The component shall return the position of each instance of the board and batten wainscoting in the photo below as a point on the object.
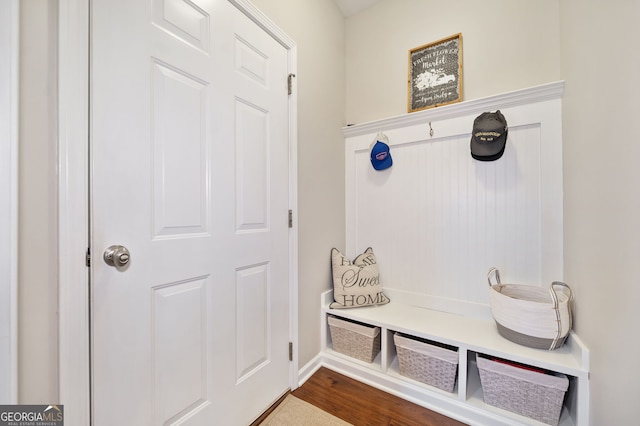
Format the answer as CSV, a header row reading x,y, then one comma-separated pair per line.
x,y
438,220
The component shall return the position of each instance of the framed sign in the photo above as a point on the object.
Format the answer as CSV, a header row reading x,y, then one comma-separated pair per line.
x,y
435,74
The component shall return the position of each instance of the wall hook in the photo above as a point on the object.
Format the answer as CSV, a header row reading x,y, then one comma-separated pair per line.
x,y
430,130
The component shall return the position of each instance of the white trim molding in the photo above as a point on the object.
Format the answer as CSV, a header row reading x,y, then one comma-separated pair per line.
x,y
529,95
73,217
9,91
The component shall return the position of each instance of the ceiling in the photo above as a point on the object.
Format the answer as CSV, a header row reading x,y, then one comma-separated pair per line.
x,y
351,7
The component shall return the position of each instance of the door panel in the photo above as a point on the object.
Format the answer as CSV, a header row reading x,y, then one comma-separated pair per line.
x,y
179,320
179,152
190,173
252,319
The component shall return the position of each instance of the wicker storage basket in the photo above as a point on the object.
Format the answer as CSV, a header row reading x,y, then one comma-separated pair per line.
x,y
427,363
529,393
531,315
360,341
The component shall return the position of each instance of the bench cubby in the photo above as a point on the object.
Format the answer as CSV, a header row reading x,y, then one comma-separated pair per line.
x,y
438,220
471,336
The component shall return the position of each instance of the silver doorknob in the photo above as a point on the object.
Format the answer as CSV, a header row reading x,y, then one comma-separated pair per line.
x,y
117,256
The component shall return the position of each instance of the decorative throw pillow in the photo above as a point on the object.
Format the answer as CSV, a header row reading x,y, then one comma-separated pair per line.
x,y
356,283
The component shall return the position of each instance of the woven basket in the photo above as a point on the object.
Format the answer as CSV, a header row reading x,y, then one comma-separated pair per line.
x,y
357,340
531,315
427,363
529,393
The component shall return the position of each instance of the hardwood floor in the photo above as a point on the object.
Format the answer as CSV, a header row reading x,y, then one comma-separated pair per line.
x,y
363,405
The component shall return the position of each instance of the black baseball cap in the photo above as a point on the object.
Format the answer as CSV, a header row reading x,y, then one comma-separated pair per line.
x,y
489,136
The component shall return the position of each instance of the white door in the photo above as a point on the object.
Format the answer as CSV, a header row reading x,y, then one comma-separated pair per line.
x,y
190,174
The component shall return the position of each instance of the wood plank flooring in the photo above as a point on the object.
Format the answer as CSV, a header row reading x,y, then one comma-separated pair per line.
x,y
363,405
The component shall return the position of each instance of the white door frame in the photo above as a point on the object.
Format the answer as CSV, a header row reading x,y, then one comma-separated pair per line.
x,y
9,46
73,155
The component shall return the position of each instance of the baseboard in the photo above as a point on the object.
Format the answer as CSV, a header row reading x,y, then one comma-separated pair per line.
x,y
309,368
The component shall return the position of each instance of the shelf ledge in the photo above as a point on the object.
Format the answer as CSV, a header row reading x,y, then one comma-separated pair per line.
x,y
468,333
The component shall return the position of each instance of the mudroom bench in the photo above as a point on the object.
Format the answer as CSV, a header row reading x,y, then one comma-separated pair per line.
x,y
471,337
438,220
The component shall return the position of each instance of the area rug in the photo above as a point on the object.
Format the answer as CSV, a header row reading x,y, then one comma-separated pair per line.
x,y
296,412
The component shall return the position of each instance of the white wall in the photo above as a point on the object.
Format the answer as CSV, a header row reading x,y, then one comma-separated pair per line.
x,y
317,27
507,45
601,67
37,266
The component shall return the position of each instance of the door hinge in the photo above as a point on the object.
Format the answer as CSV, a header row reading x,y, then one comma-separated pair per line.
x,y
290,78
87,257
290,351
290,218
